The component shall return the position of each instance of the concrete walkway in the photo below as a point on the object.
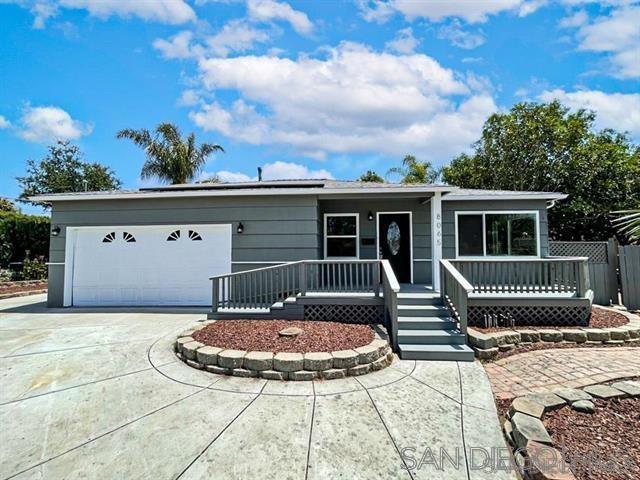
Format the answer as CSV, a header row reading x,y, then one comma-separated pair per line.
x,y
99,394
543,370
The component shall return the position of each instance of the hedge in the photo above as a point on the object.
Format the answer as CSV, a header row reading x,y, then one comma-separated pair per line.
x,y
23,236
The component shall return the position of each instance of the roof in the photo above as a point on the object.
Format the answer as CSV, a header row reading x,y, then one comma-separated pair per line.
x,y
320,187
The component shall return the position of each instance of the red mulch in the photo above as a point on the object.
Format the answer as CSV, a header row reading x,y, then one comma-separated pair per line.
x,y
17,287
604,445
554,346
262,335
600,318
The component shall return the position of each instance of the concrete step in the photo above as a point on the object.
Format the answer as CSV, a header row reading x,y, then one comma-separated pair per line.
x,y
457,353
240,313
423,311
426,323
430,337
419,299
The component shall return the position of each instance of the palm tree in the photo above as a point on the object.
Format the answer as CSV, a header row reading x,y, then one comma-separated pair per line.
x,y
371,177
170,157
414,171
628,224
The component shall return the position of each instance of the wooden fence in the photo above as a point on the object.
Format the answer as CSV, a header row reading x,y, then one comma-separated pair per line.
x,y
630,276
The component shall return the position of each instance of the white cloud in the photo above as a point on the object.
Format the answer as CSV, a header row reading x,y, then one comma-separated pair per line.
x,y
620,111
163,11
189,98
268,10
273,171
404,42
471,11
576,19
4,123
179,45
616,34
235,36
45,124
360,101
460,37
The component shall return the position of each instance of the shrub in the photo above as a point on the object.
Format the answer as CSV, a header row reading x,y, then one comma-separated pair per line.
x,y
34,270
23,236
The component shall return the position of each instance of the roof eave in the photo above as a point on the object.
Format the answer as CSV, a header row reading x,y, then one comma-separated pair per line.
x,y
523,196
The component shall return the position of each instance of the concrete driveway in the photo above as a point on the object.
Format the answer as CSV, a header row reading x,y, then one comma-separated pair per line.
x,y
99,394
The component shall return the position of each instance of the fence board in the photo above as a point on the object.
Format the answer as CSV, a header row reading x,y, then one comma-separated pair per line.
x,y
630,276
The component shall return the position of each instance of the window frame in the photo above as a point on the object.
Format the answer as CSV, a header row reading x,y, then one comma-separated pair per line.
x,y
484,213
356,236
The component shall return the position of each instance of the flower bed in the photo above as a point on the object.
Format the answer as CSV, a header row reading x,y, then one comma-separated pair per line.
x,y
20,288
274,350
490,345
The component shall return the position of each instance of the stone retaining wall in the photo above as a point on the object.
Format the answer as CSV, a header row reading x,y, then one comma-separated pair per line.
x,y
283,366
487,345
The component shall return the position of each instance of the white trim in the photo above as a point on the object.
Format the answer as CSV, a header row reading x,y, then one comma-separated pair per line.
x,y
410,235
484,256
54,263
71,234
436,239
422,260
357,235
251,262
240,192
452,197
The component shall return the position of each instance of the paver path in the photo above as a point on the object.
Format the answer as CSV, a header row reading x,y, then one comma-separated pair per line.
x,y
99,394
572,367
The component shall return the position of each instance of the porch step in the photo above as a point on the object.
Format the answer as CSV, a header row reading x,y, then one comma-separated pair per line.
x,y
426,323
422,311
457,353
419,299
430,337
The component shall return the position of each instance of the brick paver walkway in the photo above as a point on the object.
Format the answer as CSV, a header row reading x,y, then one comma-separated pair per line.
x,y
549,369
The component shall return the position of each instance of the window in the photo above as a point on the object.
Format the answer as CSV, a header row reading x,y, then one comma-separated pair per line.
x,y
341,235
497,234
109,237
193,235
127,237
173,236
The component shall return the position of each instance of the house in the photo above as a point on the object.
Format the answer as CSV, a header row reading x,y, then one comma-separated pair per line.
x,y
319,249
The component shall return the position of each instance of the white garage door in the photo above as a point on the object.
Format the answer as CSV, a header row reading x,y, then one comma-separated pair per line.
x,y
150,265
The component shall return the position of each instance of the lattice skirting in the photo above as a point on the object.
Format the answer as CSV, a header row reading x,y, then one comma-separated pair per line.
x,y
551,316
368,314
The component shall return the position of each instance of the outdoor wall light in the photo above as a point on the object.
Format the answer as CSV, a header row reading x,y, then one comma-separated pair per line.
x,y
240,228
55,231
370,216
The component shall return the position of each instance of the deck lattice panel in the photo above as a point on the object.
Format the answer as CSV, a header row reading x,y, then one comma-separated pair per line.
x,y
368,314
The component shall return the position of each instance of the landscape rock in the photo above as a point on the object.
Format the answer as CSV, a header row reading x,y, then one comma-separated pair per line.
x,y
630,388
194,364
288,362
548,400
584,406
258,361
318,361
509,338
231,358
527,428
487,353
367,354
578,336
359,370
597,334
572,394
334,373
604,391
547,463
526,406
244,373
303,375
273,375
550,335
344,358
189,349
505,347
482,340
290,332
532,336
217,370
379,364
381,345
619,334
180,342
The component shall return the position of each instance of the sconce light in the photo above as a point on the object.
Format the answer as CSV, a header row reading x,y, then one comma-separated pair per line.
x,y
55,231
240,228
370,216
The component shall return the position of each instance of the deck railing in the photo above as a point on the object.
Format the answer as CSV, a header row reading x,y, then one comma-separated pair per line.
x,y
262,287
390,289
455,290
538,275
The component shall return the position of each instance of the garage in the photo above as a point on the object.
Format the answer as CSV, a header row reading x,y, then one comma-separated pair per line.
x,y
145,265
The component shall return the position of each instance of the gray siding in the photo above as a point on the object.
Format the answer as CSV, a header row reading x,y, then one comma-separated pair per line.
x,y
275,228
448,219
421,227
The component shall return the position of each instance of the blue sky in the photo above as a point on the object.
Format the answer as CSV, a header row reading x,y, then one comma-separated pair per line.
x,y
305,89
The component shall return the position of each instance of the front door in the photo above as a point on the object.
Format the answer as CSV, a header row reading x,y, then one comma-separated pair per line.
x,y
394,243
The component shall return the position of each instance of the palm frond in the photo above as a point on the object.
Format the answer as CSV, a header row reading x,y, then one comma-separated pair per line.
x,y
628,223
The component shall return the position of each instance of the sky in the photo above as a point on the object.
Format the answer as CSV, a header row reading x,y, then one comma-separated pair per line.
x,y
305,89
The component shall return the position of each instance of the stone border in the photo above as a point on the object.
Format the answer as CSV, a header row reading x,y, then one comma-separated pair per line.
x,y
530,439
487,345
283,366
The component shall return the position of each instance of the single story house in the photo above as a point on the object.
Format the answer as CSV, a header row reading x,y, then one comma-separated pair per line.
x,y
160,246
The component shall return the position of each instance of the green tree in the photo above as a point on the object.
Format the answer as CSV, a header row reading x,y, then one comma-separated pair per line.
x,y
545,147
170,157
64,170
415,171
7,205
370,176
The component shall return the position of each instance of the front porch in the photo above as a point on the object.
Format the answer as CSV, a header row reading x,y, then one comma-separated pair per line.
x,y
423,322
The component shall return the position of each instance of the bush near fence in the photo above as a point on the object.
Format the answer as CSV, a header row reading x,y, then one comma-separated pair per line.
x,y
23,237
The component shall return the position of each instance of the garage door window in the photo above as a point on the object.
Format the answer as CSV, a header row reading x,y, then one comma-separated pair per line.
x,y
127,237
173,236
109,237
194,235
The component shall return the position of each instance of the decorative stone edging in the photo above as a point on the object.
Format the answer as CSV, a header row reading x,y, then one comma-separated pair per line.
x,y
530,439
283,366
487,345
